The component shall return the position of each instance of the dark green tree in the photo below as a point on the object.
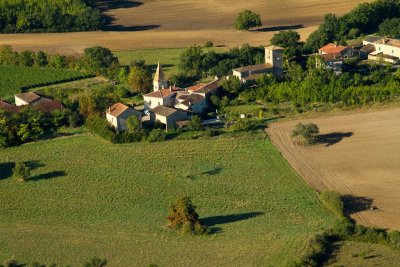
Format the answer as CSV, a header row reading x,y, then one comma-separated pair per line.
x,y
247,20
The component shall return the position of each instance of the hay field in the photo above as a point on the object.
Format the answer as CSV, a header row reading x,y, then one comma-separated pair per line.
x,y
358,158
91,198
180,23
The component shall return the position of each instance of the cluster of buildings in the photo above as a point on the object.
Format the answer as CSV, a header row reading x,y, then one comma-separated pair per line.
x,y
373,48
169,105
34,100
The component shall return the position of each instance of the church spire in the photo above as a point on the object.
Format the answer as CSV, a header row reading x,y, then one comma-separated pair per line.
x,y
159,81
159,76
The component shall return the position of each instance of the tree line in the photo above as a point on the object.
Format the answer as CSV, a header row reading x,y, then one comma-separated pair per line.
x,y
22,16
364,19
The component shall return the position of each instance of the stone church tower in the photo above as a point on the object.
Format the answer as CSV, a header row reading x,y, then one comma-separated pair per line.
x,y
274,57
159,81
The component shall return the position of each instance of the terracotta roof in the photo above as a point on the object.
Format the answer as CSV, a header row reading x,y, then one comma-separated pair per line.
x,y
159,76
193,99
162,93
9,107
332,49
196,87
29,97
164,111
253,68
274,47
117,109
48,105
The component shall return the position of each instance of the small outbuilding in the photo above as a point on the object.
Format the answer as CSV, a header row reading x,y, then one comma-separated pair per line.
x,y
169,116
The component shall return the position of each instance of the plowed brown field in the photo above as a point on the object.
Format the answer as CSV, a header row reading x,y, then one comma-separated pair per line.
x,y
359,158
180,23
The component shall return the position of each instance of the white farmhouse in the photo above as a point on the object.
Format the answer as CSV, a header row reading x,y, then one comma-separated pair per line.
x,y
118,113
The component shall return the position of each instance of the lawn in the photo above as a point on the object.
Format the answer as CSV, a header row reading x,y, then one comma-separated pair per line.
x,y
14,79
168,57
90,198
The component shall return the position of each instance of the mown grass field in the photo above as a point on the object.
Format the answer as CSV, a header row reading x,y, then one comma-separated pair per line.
x,y
168,57
90,198
12,78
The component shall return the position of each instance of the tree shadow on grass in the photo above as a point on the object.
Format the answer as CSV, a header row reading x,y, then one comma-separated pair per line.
x,y
354,204
213,171
6,170
279,28
34,164
225,219
332,138
47,176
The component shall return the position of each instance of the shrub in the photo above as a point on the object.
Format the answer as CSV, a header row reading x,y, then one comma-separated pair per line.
x,y
308,132
246,20
182,216
21,171
208,44
212,132
101,127
245,125
156,135
394,239
333,202
195,124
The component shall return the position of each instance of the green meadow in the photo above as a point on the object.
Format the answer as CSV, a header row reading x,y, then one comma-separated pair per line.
x,y
90,198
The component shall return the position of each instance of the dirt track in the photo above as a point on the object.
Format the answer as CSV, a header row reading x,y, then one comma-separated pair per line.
x,y
359,158
180,23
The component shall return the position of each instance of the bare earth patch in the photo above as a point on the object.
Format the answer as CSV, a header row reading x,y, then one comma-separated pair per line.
x,y
167,24
358,157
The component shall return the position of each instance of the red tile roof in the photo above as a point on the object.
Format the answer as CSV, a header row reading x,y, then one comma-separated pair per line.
x,y
193,99
164,111
258,67
9,107
332,49
205,88
116,109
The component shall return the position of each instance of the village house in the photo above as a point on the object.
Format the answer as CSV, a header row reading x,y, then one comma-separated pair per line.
x,y
330,61
118,114
333,49
162,97
169,116
194,102
34,100
385,49
273,64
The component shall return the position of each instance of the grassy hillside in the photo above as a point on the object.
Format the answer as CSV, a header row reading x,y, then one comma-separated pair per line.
x,y
90,198
12,79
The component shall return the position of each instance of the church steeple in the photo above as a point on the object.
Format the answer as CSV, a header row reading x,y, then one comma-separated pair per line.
x,y
159,81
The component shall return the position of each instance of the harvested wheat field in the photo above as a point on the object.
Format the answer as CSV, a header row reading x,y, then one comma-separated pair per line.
x,y
180,23
357,156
